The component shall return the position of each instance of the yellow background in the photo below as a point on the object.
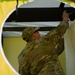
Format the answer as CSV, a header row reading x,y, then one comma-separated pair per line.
x,y
71,2
12,47
6,6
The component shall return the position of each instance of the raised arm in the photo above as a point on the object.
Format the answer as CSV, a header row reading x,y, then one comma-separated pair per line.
x,y
56,34
60,47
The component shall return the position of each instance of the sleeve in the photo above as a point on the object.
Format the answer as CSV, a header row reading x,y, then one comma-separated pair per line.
x,y
60,47
56,34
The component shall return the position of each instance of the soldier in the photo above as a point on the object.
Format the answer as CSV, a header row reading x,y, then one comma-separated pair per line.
x,y
40,56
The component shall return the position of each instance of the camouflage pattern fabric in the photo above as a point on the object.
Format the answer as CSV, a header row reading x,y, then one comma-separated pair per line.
x,y
26,34
40,57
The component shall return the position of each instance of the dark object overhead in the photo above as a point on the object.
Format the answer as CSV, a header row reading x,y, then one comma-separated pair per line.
x,y
22,28
40,14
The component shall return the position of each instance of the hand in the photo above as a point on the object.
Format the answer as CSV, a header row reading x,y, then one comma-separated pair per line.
x,y
65,16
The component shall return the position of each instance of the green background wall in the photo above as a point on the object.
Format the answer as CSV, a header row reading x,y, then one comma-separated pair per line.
x,y
12,47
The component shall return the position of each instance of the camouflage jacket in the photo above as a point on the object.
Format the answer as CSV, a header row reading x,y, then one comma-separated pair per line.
x,y
40,57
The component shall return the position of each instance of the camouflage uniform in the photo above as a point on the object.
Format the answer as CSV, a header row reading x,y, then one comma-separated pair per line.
x,y
40,57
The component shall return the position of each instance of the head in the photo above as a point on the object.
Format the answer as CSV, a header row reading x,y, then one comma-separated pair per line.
x,y
30,33
35,36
